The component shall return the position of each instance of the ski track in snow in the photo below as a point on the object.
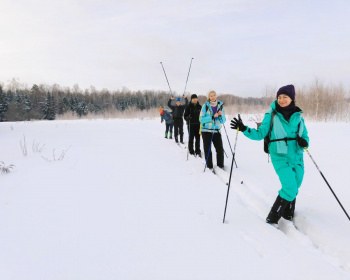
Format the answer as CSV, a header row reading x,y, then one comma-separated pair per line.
x,y
256,200
247,192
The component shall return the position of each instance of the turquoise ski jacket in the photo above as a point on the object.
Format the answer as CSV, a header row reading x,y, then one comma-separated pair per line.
x,y
208,124
288,151
286,156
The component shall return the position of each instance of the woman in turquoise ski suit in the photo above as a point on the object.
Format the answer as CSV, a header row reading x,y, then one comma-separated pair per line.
x,y
211,117
288,139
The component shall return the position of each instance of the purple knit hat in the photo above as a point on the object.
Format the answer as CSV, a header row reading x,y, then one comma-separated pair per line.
x,y
287,90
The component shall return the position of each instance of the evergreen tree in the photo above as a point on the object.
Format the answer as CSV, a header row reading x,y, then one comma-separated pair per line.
x,y
81,109
3,105
95,108
66,104
26,103
49,108
35,89
73,104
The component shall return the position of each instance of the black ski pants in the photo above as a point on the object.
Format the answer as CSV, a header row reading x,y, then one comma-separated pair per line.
x,y
217,141
179,129
193,132
169,126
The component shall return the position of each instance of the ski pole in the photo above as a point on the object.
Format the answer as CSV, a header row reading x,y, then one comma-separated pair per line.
x,y
225,152
189,133
327,183
188,76
211,140
229,182
228,140
167,79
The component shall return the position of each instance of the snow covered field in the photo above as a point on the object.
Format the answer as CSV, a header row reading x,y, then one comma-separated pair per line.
x,y
125,204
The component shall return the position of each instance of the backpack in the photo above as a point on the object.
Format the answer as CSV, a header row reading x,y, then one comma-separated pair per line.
x,y
268,136
267,139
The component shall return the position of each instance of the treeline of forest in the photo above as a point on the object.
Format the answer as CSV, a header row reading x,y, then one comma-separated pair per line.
x,y
18,102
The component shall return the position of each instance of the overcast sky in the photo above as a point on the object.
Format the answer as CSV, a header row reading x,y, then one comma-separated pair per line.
x,y
238,47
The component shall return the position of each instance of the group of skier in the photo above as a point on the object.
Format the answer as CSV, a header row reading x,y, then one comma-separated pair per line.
x,y
203,120
283,124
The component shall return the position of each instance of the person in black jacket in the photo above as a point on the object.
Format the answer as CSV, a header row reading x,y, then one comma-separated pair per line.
x,y
178,112
193,125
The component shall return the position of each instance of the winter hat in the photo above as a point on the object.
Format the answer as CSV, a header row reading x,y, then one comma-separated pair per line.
x,y
160,109
194,96
178,99
287,90
212,91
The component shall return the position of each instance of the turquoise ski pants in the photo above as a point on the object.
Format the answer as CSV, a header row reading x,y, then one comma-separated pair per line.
x,y
291,178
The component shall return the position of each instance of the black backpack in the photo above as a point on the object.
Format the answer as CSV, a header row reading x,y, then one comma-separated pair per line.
x,y
268,136
267,139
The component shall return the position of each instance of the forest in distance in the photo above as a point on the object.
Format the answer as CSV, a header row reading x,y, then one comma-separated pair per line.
x,y
19,102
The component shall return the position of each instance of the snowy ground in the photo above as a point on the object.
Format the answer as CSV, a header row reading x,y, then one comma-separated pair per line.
x,y
125,204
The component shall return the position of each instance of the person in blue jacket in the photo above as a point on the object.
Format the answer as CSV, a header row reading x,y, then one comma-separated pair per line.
x,y
288,139
212,117
165,115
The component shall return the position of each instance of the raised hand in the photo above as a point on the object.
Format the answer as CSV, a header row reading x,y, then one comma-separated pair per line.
x,y
238,123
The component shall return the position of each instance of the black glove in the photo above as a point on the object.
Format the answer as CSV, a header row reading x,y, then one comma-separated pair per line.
x,y
237,123
301,142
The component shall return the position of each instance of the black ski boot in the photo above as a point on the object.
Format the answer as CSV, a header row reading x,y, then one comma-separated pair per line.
x,y
276,210
198,153
170,135
288,212
182,139
166,135
177,141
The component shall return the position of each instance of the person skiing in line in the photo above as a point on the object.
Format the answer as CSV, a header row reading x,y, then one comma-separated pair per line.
x,y
178,112
165,115
288,138
193,125
212,117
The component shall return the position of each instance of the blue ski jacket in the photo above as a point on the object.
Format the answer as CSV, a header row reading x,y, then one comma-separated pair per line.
x,y
167,117
206,118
